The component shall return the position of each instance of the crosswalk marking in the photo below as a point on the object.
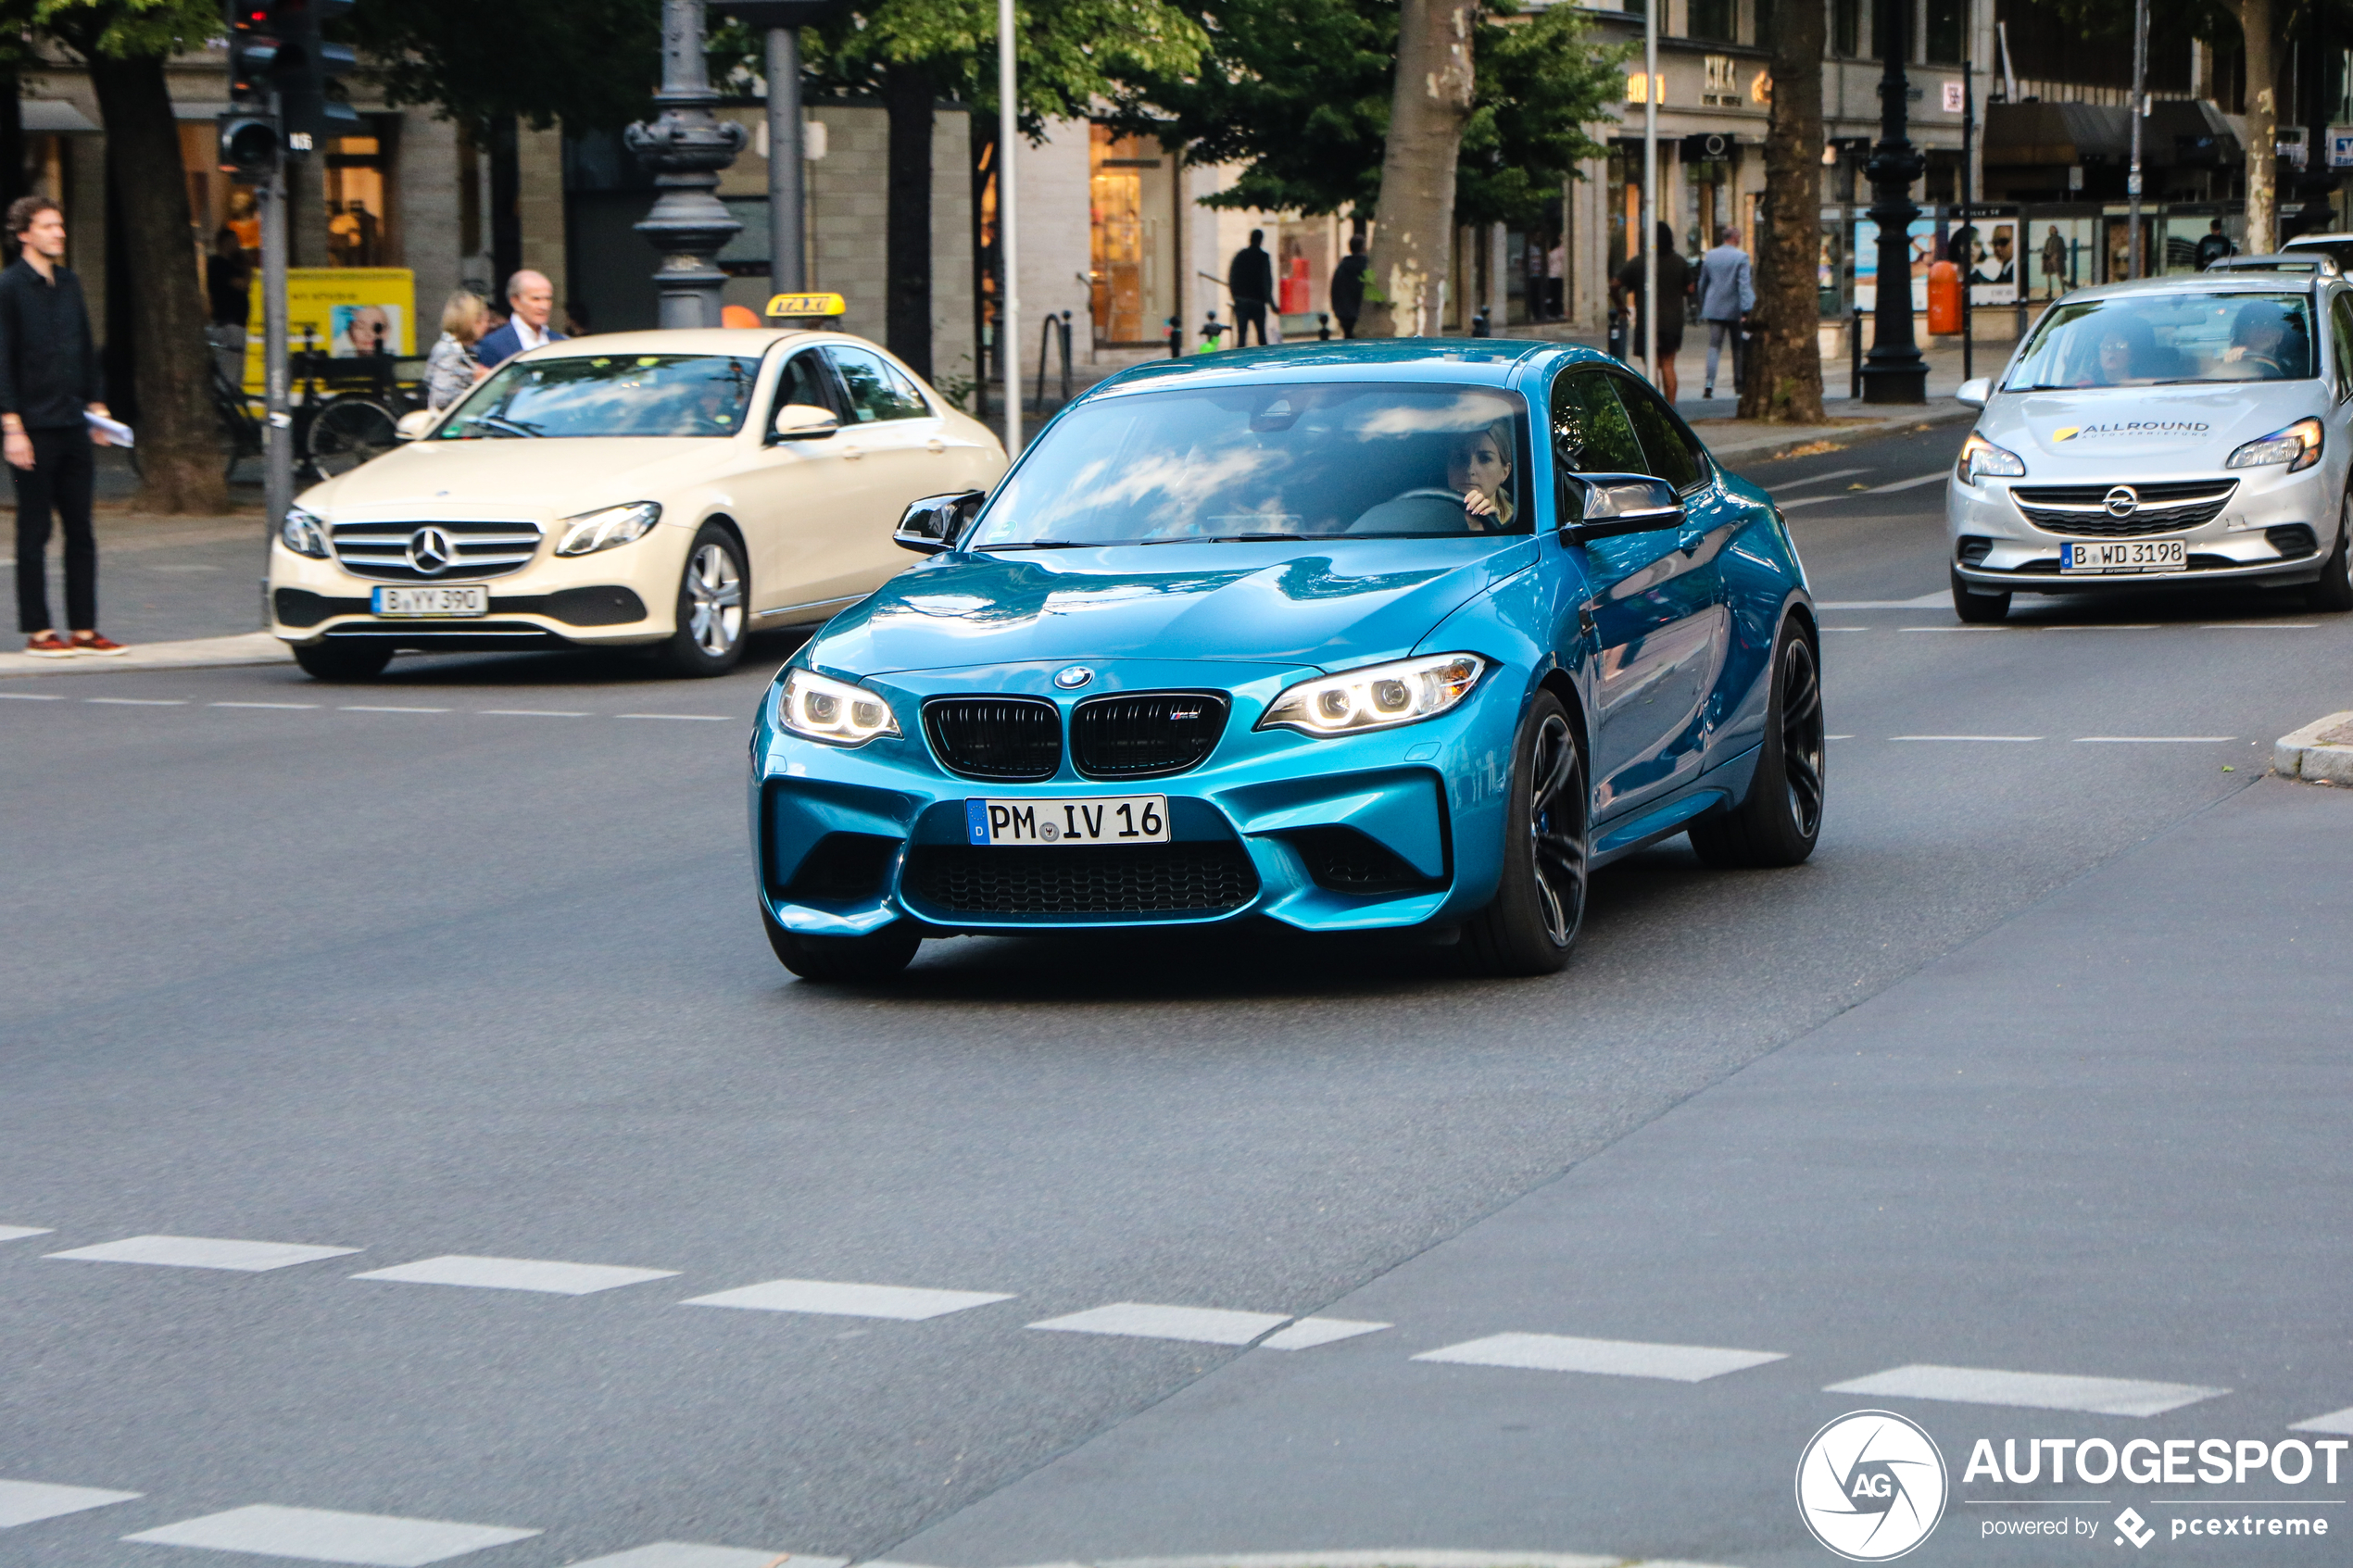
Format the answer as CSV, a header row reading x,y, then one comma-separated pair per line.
x,y
203,1252
518,1273
1200,1326
839,1298
17,1233
2335,1421
318,1535
2032,1390
1308,1333
22,1502
679,1554
1610,1357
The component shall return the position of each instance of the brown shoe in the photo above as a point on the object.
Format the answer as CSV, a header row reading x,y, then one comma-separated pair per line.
x,y
48,644
92,642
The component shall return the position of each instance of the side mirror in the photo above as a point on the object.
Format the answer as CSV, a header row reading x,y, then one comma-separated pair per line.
x,y
804,422
1601,506
936,523
1974,394
414,426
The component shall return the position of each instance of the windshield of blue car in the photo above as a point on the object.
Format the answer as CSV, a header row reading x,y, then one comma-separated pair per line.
x,y
608,394
1336,461
2166,339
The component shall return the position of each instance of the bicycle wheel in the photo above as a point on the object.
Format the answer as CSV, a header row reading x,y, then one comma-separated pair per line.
x,y
347,434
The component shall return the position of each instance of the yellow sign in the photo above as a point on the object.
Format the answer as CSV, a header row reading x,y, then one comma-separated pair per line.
x,y
343,311
808,305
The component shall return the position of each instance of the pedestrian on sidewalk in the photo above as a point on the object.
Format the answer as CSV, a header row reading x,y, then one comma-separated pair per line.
x,y
1348,287
451,369
1674,288
1250,280
1727,293
531,299
48,378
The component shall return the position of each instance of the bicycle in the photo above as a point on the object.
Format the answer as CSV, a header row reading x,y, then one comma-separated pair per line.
x,y
343,414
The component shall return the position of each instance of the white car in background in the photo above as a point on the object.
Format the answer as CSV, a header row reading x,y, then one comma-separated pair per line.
x,y
668,490
2180,431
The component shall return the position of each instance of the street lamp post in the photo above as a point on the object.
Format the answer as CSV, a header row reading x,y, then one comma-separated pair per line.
x,y
685,145
780,22
1894,372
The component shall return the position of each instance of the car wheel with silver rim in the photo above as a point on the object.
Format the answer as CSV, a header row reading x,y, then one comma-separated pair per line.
x,y
709,638
2334,592
1540,902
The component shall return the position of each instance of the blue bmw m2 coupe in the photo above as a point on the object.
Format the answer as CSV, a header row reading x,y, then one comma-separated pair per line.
x,y
1349,636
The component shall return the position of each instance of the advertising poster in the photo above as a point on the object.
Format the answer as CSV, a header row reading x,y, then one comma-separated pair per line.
x,y
1923,236
1993,270
345,311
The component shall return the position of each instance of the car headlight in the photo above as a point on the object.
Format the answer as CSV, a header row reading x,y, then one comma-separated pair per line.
x,y
1981,458
1375,696
833,711
607,526
304,535
2298,446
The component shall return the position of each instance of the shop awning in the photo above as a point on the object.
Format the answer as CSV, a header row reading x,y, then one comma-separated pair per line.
x,y
54,117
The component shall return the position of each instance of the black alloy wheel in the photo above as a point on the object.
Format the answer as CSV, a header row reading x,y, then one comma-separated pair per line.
x,y
1781,820
2333,594
330,661
877,956
1540,902
1975,607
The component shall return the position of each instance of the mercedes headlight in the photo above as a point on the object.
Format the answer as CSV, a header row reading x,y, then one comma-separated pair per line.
x,y
601,530
833,711
1981,458
2298,446
1376,696
304,535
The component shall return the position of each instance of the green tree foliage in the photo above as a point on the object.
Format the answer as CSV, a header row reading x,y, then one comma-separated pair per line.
x,y
591,64
1297,93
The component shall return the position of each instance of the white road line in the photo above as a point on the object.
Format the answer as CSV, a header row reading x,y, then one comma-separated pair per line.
x,y
2030,1390
1912,483
1838,737
318,1535
22,1502
842,1299
17,1233
2119,626
2335,1421
2152,740
1308,1333
2006,739
698,717
1141,1320
679,1554
2003,628
261,704
1610,1357
203,1252
140,701
1818,479
518,1273
1922,602
31,697
532,713
2265,626
1847,628
372,707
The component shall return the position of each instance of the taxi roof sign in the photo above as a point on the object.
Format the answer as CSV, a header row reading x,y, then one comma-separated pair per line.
x,y
795,304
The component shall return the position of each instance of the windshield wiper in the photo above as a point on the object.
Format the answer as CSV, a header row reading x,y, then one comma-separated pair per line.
x,y
1049,544
505,426
1225,538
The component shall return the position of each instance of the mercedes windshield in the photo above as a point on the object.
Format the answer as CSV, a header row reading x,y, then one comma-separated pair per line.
x,y
608,394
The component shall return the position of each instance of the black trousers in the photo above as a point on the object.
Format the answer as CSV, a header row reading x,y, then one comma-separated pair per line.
x,y
1249,313
60,480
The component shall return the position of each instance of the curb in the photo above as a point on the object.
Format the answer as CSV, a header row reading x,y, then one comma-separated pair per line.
x,y
201,653
1763,448
2321,752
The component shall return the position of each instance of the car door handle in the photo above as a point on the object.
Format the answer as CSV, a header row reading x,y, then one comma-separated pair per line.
x,y
853,453
935,445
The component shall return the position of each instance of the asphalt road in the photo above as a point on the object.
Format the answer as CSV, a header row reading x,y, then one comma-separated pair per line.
x,y
2037,1067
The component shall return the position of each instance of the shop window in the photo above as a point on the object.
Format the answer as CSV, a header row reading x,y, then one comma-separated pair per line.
x,y
1715,20
1943,35
1131,191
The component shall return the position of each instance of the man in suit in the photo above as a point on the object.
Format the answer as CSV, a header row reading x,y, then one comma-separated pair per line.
x,y
532,298
1250,281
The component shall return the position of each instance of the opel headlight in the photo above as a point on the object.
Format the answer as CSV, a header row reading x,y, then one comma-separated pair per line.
x,y
1981,458
833,711
304,535
2298,446
601,530
1376,696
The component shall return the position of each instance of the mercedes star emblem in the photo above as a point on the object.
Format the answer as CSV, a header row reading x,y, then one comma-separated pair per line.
x,y
431,552
2123,501
1073,677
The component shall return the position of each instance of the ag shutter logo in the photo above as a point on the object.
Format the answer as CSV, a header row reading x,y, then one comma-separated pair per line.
x,y
1871,1486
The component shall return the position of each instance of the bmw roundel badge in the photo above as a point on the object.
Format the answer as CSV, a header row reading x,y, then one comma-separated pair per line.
x,y
1071,677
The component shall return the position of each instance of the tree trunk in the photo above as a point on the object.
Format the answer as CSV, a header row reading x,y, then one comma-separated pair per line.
x,y
1414,225
907,94
1785,369
2262,126
178,434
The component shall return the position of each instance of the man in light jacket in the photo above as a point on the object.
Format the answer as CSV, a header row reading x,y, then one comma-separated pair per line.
x,y
1727,293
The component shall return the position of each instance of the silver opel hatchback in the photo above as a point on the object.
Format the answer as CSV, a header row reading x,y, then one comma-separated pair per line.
x,y
2177,432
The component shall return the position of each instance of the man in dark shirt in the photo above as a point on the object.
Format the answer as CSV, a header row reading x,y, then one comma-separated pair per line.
x,y
1674,286
48,377
1251,281
1348,287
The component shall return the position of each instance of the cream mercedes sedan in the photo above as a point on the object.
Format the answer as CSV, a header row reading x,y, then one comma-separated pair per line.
x,y
669,490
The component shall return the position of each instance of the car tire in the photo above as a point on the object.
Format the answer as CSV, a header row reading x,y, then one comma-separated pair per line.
x,y
711,619
2333,594
1976,608
877,956
327,661
1781,820
1532,925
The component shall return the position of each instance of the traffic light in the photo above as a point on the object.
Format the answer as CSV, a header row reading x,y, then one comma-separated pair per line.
x,y
305,67
249,144
253,52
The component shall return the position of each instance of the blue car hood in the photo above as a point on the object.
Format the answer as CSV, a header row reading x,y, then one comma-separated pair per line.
x,y
1327,604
